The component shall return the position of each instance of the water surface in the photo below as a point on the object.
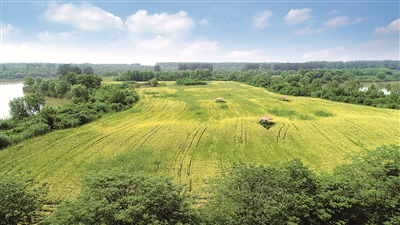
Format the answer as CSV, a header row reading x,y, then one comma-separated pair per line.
x,y
8,91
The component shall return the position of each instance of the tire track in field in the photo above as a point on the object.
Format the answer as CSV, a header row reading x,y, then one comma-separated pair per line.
x,y
324,135
85,151
191,143
26,157
90,154
282,132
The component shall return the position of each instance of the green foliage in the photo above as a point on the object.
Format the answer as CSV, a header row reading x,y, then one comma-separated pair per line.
x,y
364,191
263,195
323,113
19,200
372,182
79,92
28,105
61,87
18,109
4,140
89,80
153,82
189,81
126,198
38,80
29,81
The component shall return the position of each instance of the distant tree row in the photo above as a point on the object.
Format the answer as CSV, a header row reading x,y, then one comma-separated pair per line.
x,y
361,64
20,70
194,66
136,75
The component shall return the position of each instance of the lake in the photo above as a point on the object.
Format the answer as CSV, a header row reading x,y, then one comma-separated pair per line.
x,y
8,91
381,85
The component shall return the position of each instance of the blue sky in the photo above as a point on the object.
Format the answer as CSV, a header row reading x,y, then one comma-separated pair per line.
x,y
147,32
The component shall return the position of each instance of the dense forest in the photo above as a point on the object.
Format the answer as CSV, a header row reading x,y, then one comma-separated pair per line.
x,y
363,191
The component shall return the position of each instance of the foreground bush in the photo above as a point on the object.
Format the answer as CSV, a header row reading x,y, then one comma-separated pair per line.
x,y
125,198
365,191
19,200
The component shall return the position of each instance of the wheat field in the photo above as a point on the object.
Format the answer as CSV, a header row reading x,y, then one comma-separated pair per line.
x,y
181,131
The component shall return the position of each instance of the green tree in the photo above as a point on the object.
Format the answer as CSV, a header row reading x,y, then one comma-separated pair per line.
x,y
61,87
395,88
263,195
28,81
19,200
125,198
157,68
88,70
352,84
34,103
79,92
18,108
153,82
38,80
89,80
63,69
370,185
381,75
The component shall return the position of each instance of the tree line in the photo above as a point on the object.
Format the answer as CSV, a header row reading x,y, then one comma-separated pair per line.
x,y
336,85
31,117
20,70
365,190
136,75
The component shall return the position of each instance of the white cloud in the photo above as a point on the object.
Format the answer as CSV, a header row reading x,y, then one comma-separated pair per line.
x,y
244,54
298,15
329,54
260,20
341,21
159,42
84,17
8,29
50,36
392,28
204,22
201,48
164,23
333,12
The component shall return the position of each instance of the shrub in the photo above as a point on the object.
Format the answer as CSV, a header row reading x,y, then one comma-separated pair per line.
x,y
126,198
323,113
4,140
38,129
19,200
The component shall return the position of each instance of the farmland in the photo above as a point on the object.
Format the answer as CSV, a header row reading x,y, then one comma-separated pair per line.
x,y
181,131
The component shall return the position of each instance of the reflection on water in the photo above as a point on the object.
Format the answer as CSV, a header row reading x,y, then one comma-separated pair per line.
x,y
8,91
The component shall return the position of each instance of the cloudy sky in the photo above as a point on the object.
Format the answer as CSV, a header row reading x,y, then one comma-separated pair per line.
x,y
147,32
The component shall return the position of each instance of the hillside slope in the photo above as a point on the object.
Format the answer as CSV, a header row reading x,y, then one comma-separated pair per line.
x,y
183,132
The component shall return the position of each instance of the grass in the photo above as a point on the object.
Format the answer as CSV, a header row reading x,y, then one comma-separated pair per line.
x,y
181,131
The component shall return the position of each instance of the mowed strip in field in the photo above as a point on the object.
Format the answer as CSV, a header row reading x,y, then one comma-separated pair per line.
x,y
183,132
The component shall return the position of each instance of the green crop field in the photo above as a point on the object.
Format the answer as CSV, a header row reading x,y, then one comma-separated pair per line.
x,y
181,131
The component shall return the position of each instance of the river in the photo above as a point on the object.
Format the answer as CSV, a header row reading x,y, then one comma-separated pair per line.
x,y
8,91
